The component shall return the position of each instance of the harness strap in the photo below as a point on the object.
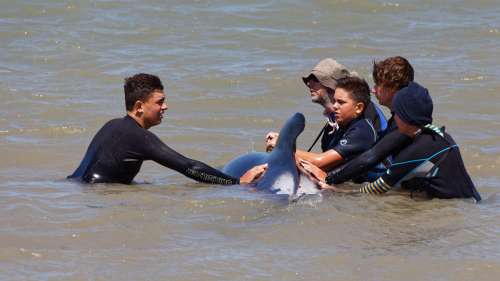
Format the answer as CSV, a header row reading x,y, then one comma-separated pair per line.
x,y
319,136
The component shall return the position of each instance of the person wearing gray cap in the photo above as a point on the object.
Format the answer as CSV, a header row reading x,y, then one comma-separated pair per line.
x,y
335,88
431,163
321,82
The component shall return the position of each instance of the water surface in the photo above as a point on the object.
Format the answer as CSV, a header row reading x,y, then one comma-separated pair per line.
x,y
232,73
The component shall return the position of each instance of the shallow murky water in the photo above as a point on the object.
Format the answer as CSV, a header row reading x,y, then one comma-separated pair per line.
x,y
232,73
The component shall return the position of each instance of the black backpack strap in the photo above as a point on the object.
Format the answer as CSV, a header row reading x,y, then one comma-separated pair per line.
x,y
319,136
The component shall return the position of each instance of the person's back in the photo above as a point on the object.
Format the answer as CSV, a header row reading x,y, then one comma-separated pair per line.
x,y
376,116
432,163
358,136
116,152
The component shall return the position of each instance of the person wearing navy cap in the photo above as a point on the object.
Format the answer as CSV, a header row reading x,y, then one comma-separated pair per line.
x,y
431,163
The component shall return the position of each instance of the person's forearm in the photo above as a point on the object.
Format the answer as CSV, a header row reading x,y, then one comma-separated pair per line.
x,y
325,161
368,159
210,176
308,156
191,168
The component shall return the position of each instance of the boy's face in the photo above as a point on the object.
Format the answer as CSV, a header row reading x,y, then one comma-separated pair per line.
x,y
153,109
345,107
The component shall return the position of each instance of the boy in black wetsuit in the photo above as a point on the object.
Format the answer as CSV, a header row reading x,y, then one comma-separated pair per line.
x,y
118,149
431,162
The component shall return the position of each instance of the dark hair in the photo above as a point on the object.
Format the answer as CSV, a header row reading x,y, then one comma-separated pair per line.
x,y
357,87
393,72
139,87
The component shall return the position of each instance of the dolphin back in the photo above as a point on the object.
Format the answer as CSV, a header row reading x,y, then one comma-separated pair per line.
x,y
290,131
282,176
239,165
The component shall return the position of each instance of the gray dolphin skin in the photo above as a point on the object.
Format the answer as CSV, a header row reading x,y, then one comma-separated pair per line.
x,y
281,176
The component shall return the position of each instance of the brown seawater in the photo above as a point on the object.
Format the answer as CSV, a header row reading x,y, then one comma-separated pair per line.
x,y
232,73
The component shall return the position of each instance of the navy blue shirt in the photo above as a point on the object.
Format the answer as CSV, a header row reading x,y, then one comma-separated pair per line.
x,y
351,140
390,142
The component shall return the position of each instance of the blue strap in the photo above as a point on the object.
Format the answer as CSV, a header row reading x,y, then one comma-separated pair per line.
x,y
425,159
381,117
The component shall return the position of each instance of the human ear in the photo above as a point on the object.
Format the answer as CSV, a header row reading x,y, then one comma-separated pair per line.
x,y
138,107
360,107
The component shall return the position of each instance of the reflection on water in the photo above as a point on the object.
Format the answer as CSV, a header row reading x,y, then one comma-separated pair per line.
x,y
232,73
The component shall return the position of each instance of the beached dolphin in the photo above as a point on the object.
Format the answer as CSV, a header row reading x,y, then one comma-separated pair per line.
x,y
281,176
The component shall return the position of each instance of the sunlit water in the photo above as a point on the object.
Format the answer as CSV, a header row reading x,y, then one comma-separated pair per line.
x,y
232,73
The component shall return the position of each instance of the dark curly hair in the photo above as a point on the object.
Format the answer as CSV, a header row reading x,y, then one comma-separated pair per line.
x,y
139,87
393,72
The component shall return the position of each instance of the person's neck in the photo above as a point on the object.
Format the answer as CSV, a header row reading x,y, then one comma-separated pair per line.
x,y
389,106
413,131
135,116
328,109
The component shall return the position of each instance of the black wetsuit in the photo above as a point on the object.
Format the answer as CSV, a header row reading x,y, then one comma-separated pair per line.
x,y
431,163
117,151
376,117
358,136
390,142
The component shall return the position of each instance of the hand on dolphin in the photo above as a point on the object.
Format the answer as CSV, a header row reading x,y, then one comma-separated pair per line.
x,y
317,174
271,140
253,174
324,186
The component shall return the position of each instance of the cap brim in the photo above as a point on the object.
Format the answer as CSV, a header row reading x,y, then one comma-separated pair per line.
x,y
307,77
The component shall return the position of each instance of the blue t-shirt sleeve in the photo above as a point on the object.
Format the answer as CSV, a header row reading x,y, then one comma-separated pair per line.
x,y
358,138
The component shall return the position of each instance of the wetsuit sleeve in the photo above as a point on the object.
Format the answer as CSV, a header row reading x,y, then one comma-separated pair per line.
x,y
356,140
388,145
377,187
196,170
404,163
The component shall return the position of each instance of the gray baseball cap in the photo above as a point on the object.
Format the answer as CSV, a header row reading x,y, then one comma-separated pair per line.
x,y
328,71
